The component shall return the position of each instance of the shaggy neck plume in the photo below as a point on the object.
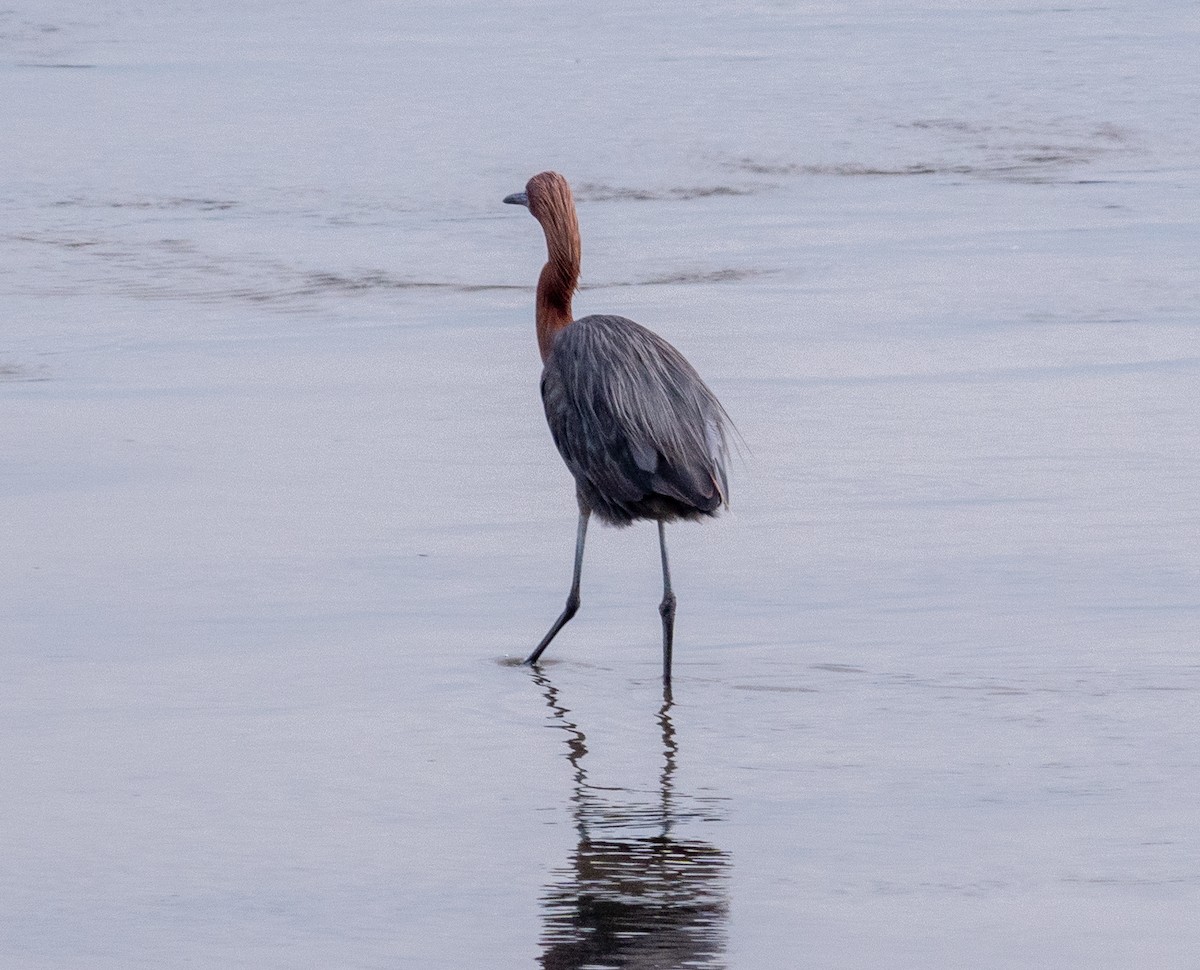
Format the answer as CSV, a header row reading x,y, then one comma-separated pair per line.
x,y
551,203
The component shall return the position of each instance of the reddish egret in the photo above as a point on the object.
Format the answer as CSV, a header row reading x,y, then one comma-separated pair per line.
x,y
642,434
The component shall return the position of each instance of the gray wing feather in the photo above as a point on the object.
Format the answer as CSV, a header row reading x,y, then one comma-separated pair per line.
x,y
640,431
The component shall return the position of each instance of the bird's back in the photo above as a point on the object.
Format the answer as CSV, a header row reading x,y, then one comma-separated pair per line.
x,y
643,435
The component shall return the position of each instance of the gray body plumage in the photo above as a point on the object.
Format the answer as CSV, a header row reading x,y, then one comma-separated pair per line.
x,y
641,432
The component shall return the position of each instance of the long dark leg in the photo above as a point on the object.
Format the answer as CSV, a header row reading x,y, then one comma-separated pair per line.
x,y
572,597
666,608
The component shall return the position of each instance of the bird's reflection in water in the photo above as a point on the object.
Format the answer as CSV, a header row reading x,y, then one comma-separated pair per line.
x,y
634,895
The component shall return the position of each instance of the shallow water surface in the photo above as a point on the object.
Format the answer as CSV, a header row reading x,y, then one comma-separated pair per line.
x,y
282,514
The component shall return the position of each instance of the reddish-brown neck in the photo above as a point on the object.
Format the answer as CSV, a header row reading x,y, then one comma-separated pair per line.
x,y
553,307
554,208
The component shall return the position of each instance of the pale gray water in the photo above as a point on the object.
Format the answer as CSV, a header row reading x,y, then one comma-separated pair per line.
x,y
280,508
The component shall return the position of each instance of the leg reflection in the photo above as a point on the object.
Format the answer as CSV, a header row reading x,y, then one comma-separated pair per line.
x,y
635,892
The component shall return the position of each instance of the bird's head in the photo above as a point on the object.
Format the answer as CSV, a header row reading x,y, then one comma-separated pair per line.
x,y
547,196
